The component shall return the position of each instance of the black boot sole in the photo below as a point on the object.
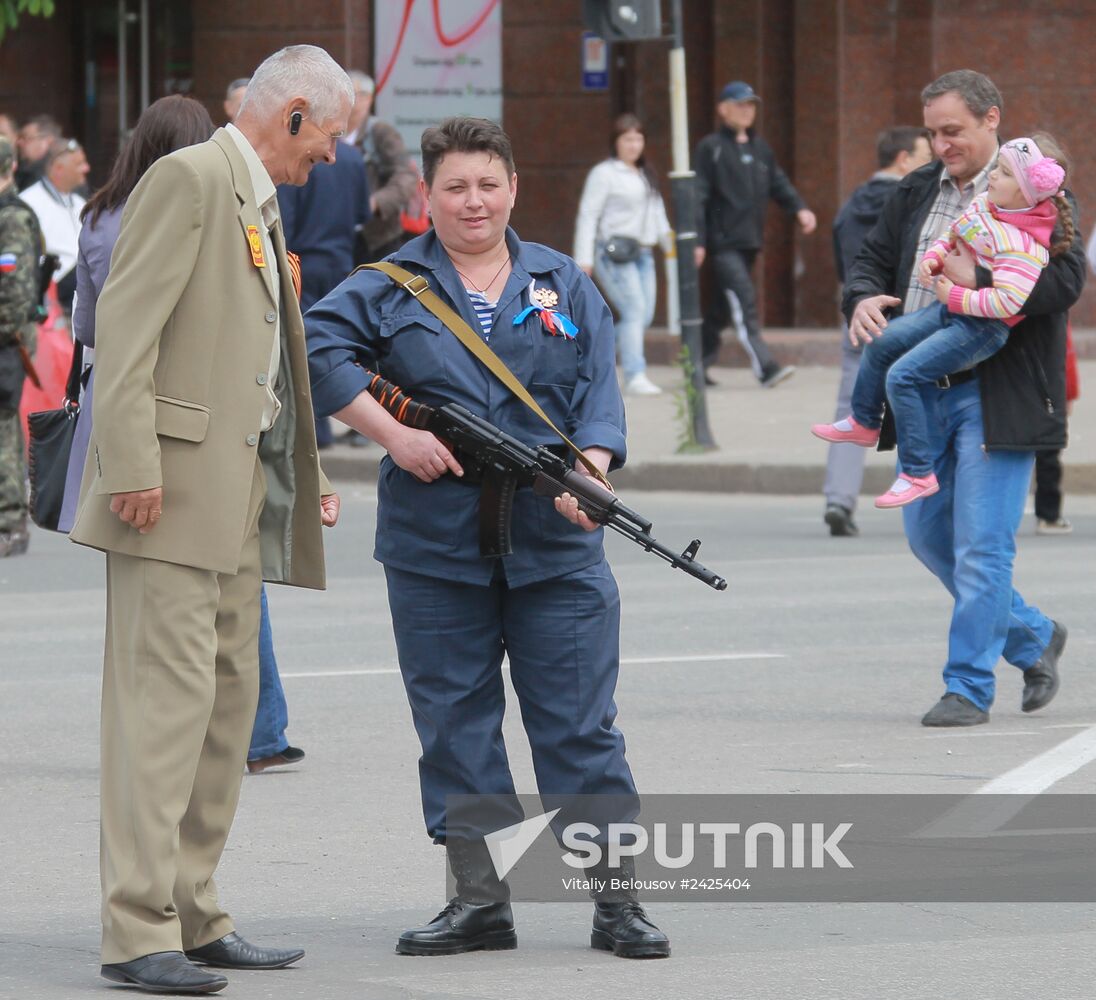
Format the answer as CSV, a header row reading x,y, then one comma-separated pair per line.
x,y
488,941
118,977
604,941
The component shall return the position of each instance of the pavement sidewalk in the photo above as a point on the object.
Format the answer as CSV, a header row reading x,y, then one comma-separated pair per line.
x,y
763,437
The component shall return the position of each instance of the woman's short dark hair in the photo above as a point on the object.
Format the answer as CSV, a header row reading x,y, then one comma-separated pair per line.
x,y
464,135
166,125
629,122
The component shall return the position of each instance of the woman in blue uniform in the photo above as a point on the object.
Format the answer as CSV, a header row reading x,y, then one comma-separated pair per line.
x,y
552,606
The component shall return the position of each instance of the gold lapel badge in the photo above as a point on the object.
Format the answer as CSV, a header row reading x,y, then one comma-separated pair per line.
x,y
255,242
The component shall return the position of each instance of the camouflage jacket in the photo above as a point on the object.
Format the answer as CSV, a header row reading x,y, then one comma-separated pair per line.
x,y
20,247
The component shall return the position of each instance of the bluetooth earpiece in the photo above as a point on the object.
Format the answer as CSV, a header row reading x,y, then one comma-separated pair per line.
x,y
294,123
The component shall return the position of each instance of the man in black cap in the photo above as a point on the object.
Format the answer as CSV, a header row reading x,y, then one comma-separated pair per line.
x,y
736,176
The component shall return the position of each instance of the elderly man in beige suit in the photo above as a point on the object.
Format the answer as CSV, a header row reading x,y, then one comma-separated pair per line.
x,y
202,479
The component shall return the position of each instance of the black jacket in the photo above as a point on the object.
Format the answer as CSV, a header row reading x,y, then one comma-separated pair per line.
x,y
734,184
856,219
1023,385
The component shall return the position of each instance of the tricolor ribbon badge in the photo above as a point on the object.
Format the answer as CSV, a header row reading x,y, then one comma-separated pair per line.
x,y
8,263
543,303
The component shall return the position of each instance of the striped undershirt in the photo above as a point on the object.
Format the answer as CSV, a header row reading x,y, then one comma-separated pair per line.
x,y
485,311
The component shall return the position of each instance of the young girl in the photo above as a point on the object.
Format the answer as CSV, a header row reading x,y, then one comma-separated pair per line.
x,y
1009,231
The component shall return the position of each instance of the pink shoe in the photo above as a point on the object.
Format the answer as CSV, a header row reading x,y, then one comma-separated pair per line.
x,y
847,431
906,489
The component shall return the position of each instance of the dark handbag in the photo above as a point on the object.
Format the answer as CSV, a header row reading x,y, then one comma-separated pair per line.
x,y
622,249
51,434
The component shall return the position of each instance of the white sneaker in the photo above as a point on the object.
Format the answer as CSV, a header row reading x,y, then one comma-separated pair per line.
x,y
640,385
1058,527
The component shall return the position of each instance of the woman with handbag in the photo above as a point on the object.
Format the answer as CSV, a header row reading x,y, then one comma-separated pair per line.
x,y
620,218
551,606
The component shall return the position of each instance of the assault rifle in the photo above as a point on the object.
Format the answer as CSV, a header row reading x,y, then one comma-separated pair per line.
x,y
501,464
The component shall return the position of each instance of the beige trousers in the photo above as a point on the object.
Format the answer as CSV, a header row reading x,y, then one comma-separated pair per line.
x,y
180,688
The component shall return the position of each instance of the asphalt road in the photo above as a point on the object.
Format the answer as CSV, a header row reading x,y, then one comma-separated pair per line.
x,y
808,675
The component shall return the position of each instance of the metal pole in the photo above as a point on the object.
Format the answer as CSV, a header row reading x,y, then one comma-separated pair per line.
x,y
683,198
144,56
123,91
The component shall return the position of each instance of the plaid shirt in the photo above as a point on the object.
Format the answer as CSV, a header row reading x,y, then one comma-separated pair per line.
x,y
950,203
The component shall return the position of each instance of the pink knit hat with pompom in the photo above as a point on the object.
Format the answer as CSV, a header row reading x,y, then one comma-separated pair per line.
x,y
1039,176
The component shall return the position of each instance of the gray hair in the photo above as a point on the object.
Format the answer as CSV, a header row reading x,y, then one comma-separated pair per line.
x,y
299,71
236,84
363,82
978,91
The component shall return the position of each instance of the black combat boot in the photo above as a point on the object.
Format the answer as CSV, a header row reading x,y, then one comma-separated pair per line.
x,y
621,925
477,918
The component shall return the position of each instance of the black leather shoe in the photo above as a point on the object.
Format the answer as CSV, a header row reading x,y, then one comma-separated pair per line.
x,y
840,521
164,972
624,928
462,926
954,710
1041,681
290,755
233,952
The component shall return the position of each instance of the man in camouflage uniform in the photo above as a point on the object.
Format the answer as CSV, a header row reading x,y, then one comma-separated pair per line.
x,y
20,246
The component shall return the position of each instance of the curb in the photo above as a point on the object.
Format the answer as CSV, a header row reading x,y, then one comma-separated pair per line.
x,y
341,463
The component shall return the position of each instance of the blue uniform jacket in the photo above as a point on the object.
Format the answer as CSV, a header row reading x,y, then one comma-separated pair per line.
x,y
370,322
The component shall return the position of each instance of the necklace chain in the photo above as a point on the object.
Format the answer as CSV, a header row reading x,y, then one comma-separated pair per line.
x,y
494,277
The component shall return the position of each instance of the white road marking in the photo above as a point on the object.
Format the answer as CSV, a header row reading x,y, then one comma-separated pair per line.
x,y
978,816
626,662
1039,773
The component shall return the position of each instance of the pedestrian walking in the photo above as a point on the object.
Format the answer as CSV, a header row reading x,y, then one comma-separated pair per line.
x,y
899,150
621,217
987,421
736,175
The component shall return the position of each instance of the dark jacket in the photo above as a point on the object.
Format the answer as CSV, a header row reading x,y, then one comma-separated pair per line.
x,y
321,220
734,184
857,218
1022,385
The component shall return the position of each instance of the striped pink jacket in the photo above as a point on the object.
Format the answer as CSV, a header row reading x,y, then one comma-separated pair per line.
x,y
1012,245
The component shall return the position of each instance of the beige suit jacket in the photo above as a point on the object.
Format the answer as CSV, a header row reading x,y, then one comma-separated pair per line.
x,y
185,327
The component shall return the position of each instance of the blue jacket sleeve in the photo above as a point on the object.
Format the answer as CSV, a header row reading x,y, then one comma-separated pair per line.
x,y
596,417
343,340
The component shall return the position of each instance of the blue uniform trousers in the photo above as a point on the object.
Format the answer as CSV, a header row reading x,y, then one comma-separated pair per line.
x,y
966,535
561,636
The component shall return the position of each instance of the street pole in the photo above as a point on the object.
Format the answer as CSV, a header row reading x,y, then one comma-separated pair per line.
x,y
683,198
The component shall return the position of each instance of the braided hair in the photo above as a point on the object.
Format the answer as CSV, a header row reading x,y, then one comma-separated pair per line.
x,y
1065,231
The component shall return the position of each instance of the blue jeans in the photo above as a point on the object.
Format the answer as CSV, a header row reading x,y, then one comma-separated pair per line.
x,y
272,715
916,350
966,536
630,289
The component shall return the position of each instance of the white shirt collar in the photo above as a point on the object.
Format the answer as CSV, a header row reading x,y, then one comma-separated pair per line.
x,y
260,179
